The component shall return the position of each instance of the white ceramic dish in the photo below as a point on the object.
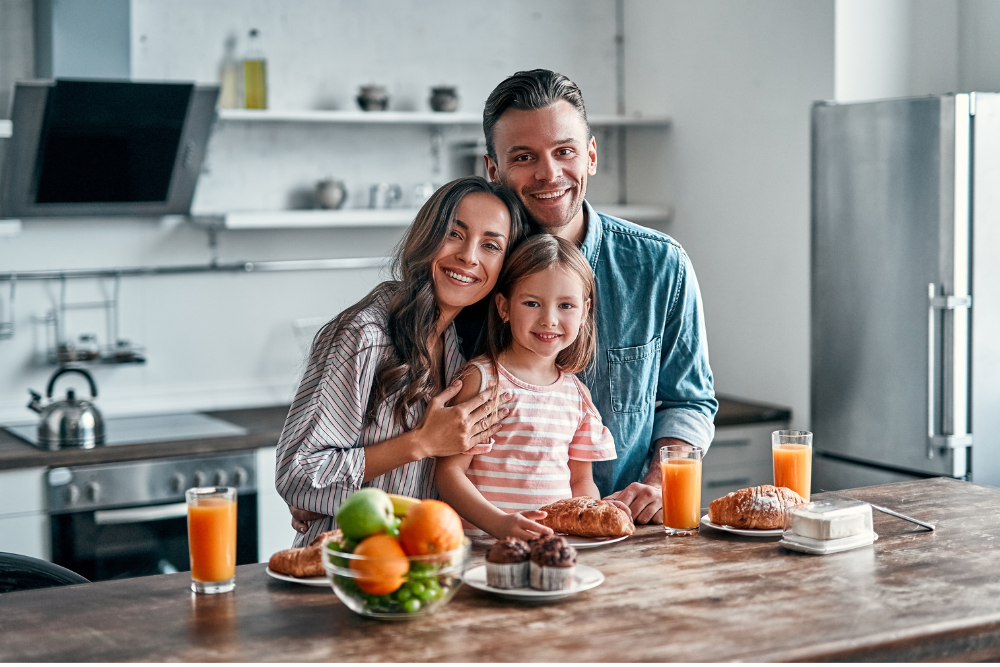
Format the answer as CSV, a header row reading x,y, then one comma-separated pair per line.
x,y
591,542
311,581
584,578
818,548
777,532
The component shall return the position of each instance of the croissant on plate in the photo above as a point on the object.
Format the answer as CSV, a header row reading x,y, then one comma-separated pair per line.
x,y
304,562
757,508
586,517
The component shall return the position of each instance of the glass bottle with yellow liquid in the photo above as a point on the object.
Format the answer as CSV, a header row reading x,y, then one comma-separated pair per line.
x,y
254,74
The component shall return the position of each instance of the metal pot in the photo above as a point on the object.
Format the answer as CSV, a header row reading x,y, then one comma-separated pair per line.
x,y
72,422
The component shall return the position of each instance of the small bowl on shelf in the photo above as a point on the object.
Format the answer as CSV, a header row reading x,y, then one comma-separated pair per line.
x,y
396,588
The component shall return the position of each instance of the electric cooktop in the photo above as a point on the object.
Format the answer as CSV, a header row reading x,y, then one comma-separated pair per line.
x,y
146,428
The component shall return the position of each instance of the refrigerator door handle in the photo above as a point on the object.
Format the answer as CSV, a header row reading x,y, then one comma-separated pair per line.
x,y
935,440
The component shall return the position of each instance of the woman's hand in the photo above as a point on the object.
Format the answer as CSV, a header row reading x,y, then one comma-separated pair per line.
x,y
447,430
302,518
522,525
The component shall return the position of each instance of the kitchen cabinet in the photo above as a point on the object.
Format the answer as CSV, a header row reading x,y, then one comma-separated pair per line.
x,y
23,523
274,523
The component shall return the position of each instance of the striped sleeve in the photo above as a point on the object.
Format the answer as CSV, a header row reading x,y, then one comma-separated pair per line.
x,y
592,440
320,457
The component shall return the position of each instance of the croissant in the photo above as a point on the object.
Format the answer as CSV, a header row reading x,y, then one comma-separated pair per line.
x,y
304,562
587,517
759,507
301,562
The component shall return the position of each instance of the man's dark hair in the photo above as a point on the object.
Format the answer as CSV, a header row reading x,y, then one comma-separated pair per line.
x,y
527,91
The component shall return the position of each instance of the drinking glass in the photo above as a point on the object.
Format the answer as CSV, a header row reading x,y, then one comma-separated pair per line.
x,y
792,451
212,538
680,466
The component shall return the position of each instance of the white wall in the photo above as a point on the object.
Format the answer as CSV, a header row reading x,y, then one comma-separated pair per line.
x,y
738,80
902,48
218,341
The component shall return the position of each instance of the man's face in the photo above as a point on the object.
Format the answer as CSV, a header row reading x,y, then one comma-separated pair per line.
x,y
544,156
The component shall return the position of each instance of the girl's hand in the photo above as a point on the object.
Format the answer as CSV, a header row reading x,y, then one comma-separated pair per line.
x,y
521,525
447,430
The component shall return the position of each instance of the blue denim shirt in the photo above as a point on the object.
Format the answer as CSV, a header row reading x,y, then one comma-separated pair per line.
x,y
650,378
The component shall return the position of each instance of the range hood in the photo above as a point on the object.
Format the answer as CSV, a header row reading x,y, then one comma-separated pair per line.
x,y
105,148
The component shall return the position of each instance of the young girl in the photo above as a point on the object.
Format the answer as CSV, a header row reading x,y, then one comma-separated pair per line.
x,y
539,332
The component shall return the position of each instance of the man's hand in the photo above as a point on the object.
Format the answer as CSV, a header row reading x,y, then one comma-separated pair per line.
x,y
644,502
302,518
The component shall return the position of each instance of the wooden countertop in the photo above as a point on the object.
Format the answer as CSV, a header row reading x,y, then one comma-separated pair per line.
x,y
913,595
263,426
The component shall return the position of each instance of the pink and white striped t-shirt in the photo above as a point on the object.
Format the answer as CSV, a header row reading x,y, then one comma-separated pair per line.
x,y
526,465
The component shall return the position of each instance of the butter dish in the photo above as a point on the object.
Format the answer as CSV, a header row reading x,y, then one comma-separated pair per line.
x,y
831,519
828,526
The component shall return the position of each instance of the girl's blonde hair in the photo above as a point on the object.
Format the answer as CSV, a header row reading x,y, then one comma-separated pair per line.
x,y
537,254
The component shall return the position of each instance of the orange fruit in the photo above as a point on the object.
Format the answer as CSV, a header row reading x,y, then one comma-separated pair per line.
x,y
430,527
384,567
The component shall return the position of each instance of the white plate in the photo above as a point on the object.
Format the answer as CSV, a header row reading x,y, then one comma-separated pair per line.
x,y
776,532
584,578
311,581
591,542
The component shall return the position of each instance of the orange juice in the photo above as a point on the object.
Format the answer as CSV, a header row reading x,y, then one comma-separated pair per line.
x,y
681,493
793,467
212,539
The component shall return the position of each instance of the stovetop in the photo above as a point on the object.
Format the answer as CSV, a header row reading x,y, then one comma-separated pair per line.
x,y
146,428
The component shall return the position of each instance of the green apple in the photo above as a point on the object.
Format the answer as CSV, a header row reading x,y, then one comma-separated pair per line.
x,y
364,513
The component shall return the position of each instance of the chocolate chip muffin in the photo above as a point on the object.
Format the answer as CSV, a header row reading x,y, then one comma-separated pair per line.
x,y
553,563
507,564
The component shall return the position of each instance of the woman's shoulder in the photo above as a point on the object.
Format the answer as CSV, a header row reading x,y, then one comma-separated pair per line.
x,y
366,326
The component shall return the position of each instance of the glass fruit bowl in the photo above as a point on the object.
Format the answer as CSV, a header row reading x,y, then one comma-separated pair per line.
x,y
396,588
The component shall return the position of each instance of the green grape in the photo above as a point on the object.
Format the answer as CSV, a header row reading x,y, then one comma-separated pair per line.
x,y
417,588
411,605
428,594
393,528
404,594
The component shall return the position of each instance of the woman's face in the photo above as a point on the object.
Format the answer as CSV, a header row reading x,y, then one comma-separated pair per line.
x,y
466,267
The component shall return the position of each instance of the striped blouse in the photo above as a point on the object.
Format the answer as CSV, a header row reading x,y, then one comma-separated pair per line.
x,y
321,452
526,465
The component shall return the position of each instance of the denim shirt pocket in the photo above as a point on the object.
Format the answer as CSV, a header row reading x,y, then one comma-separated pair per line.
x,y
632,373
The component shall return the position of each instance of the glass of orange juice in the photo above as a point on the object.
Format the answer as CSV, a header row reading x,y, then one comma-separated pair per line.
x,y
680,466
792,451
212,538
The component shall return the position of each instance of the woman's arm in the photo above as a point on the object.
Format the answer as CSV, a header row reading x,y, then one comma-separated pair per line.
x,y
581,479
455,489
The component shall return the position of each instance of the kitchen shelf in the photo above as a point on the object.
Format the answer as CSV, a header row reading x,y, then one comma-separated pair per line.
x,y
410,118
396,217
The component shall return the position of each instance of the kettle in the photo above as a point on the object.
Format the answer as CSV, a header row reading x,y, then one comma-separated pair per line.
x,y
71,422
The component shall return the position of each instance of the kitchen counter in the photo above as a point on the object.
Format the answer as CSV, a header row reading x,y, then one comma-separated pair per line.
x,y
913,595
264,428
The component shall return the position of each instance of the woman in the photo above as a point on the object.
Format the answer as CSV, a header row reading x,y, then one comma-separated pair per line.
x,y
371,408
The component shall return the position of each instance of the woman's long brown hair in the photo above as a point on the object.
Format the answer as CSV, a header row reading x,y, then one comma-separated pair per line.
x,y
412,310
534,255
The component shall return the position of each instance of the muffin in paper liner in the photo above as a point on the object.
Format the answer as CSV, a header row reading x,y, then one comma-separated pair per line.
x,y
507,575
550,578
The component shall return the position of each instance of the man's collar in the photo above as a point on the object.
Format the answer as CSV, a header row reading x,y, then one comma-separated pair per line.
x,y
595,230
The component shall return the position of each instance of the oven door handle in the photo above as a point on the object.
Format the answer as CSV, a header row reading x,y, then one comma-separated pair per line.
x,y
140,514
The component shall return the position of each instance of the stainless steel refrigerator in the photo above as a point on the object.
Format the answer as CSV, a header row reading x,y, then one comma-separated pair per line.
x,y
905,312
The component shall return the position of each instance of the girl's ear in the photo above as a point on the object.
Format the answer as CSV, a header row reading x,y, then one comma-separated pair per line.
x,y
586,307
503,307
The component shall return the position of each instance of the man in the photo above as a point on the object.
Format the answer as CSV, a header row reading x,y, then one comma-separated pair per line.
x,y
651,381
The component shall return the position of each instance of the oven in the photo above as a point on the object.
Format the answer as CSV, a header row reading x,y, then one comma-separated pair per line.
x,y
117,520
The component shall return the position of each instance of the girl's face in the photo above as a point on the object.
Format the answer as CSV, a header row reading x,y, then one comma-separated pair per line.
x,y
466,267
545,311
